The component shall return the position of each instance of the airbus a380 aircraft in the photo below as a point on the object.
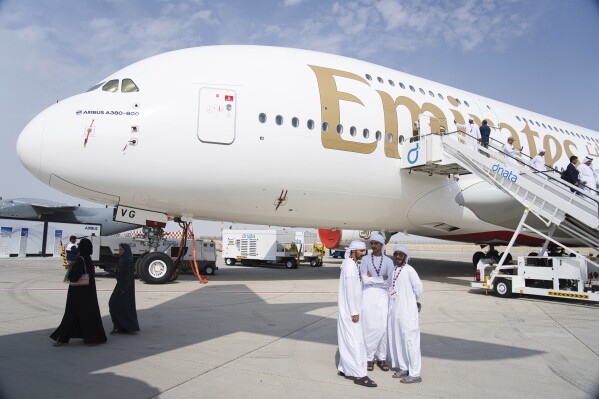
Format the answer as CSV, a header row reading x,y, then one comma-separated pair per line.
x,y
281,136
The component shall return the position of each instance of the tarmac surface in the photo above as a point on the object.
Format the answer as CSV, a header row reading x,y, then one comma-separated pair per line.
x,y
269,332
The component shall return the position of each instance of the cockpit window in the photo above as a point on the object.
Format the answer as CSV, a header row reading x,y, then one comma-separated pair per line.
x,y
111,86
128,86
94,87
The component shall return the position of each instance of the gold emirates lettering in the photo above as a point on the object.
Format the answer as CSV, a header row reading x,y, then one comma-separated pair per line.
x,y
330,106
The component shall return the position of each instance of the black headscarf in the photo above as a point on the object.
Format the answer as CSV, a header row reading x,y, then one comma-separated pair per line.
x,y
127,256
85,247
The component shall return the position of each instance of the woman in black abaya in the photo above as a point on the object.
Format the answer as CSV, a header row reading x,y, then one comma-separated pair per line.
x,y
122,300
82,317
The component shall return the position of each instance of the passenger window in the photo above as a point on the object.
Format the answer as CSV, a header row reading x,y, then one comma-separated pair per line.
x,y
402,85
466,103
430,93
458,101
352,130
380,80
111,86
390,137
401,139
368,77
422,91
378,135
412,88
440,96
310,124
325,126
279,120
366,133
295,122
517,117
340,128
262,118
128,86
392,83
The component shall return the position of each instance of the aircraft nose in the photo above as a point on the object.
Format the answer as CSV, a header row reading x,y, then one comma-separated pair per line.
x,y
29,145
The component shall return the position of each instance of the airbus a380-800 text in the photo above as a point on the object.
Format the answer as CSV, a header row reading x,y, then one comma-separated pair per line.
x,y
281,136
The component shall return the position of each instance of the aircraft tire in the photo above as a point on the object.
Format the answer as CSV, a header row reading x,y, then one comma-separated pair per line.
x,y
476,257
508,258
156,268
136,268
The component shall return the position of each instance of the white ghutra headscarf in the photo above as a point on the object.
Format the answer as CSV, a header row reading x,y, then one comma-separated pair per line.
x,y
355,245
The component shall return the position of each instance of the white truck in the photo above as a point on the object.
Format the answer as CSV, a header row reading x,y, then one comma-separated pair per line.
x,y
271,247
561,276
159,267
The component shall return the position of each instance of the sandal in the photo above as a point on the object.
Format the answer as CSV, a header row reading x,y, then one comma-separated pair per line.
x,y
410,380
382,365
365,382
349,377
400,374
370,366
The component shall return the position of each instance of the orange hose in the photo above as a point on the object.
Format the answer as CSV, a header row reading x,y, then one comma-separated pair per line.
x,y
194,268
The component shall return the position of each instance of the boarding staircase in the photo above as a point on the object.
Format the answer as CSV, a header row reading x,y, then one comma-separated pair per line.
x,y
542,193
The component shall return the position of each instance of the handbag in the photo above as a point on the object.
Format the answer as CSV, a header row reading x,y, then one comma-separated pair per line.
x,y
83,280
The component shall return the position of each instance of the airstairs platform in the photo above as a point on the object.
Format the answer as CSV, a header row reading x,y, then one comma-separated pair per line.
x,y
554,201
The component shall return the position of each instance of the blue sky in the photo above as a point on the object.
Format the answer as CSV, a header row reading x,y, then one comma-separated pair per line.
x,y
542,55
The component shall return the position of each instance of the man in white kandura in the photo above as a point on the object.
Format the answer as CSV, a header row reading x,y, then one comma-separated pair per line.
x,y
587,176
472,133
404,329
538,162
510,155
376,269
352,351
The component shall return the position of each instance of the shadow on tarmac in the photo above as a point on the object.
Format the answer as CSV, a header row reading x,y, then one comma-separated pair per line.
x,y
199,316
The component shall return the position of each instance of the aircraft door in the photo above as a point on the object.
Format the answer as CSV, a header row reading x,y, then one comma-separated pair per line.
x,y
216,115
487,112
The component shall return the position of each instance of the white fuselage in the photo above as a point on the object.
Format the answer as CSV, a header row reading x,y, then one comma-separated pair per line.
x,y
211,134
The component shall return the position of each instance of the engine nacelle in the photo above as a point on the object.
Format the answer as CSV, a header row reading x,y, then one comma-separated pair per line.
x,y
333,238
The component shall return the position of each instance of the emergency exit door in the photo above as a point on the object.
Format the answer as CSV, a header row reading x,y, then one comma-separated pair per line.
x,y
216,115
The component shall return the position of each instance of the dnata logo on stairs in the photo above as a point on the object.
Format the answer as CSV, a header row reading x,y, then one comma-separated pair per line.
x,y
505,173
413,155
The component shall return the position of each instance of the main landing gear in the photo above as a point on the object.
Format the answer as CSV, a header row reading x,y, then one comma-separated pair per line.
x,y
491,253
155,267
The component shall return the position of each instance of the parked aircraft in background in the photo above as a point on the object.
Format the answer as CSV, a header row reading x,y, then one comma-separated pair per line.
x,y
50,211
280,136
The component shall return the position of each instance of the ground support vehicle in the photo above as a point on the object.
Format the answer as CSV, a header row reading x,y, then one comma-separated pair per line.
x,y
563,277
155,267
269,247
